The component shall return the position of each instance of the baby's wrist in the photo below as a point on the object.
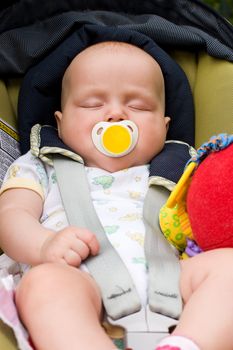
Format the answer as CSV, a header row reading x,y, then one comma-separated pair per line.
x,y
47,237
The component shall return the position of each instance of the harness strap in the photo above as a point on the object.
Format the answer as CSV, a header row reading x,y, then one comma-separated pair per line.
x,y
164,268
120,297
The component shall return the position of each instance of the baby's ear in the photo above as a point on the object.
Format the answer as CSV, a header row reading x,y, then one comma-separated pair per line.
x,y
167,121
58,117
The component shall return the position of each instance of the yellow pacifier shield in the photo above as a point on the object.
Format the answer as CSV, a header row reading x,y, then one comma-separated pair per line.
x,y
116,139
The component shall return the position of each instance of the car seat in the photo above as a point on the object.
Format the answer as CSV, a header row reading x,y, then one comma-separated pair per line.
x,y
210,76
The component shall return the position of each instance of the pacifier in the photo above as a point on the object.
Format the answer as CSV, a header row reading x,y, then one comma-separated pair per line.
x,y
115,139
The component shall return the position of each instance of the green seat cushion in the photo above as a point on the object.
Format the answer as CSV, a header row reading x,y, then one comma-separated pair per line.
x,y
213,98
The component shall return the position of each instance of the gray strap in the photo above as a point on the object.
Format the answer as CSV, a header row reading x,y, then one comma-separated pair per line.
x,y
164,268
119,295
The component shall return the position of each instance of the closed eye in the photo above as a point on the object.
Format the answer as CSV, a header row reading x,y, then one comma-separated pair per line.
x,y
139,104
140,108
91,104
89,101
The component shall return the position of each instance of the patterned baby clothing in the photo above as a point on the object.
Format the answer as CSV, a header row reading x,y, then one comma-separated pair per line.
x,y
118,200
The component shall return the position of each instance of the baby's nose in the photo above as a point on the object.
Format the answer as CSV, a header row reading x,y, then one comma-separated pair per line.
x,y
115,117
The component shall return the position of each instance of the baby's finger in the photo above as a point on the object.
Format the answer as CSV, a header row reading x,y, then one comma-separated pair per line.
x,y
72,258
89,238
80,247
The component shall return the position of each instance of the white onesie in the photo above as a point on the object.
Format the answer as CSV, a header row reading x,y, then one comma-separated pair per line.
x,y
117,197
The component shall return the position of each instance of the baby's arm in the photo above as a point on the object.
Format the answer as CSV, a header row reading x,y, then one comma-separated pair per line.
x,y
24,239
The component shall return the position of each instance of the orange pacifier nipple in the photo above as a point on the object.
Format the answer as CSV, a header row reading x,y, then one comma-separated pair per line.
x,y
115,139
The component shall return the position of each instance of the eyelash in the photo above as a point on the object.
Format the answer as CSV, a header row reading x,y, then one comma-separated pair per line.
x,y
92,106
99,105
140,108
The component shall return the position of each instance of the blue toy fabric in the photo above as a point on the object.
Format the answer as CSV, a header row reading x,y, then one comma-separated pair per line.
x,y
216,143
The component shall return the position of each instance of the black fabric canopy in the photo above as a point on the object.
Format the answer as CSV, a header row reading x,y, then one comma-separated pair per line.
x,y
30,29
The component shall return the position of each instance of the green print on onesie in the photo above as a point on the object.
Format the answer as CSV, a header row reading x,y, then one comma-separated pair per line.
x,y
105,181
42,174
111,229
53,178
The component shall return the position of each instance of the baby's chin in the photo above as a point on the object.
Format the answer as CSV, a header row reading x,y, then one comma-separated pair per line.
x,y
113,164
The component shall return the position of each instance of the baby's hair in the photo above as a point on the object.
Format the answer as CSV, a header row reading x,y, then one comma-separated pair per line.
x,y
113,45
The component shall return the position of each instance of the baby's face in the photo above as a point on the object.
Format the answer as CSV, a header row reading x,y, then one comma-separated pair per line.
x,y
112,82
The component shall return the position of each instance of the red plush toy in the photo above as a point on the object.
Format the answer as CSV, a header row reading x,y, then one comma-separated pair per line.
x,y
198,214
210,198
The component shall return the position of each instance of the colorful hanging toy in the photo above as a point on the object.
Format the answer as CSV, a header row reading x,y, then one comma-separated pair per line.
x,y
198,215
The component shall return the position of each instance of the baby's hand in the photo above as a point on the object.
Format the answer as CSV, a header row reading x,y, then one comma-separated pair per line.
x,y
70,246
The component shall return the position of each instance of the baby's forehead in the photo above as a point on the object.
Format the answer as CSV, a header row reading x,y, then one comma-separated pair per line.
x,y
107,58
110,49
